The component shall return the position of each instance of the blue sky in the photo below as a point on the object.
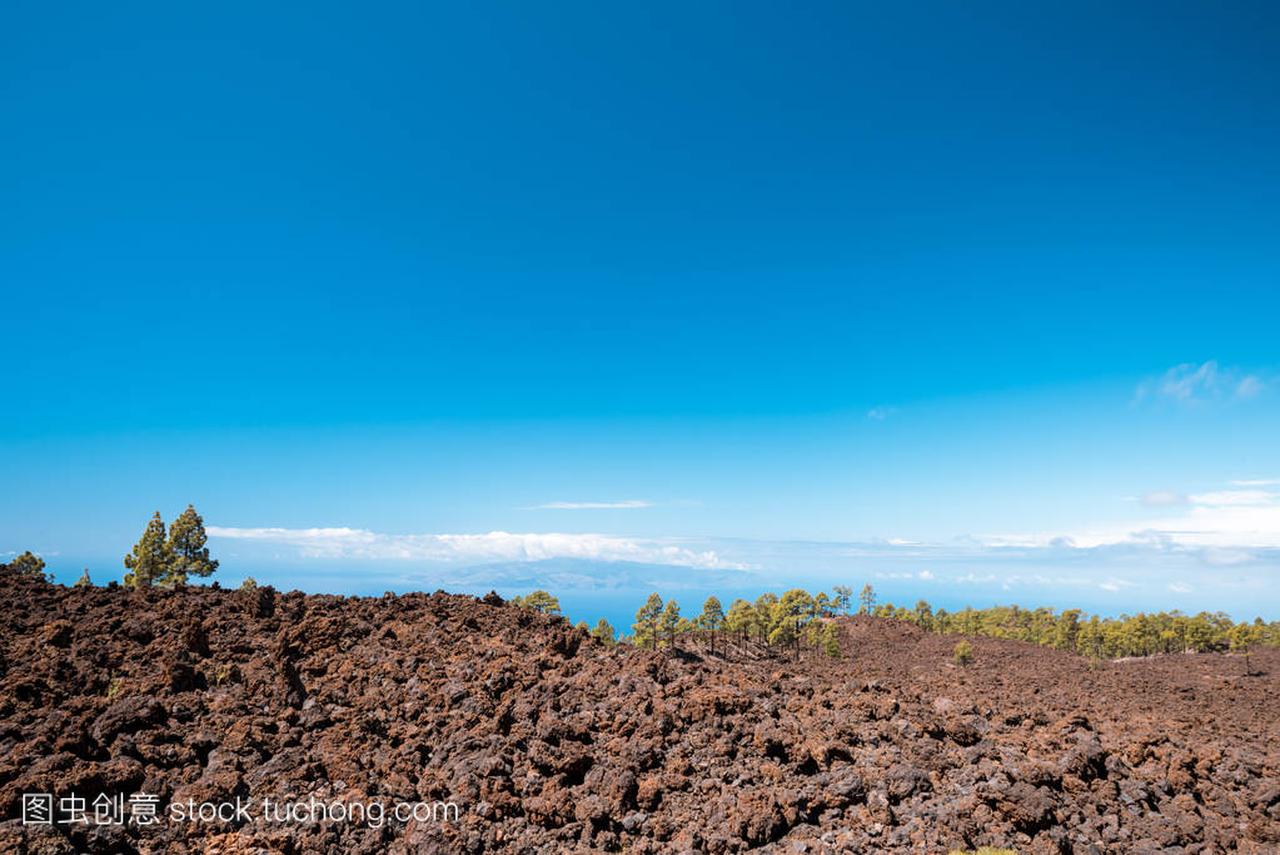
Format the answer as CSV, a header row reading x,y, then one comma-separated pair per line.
x,y
978,304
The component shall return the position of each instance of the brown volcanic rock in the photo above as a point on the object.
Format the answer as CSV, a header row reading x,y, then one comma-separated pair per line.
x,y
548,741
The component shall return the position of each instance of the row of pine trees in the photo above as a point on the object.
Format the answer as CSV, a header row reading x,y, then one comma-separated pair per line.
x,y
799,620
1143,634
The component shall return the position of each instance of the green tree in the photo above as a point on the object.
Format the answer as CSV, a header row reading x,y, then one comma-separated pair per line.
x,y
843,596
923,614
741,619
963,653
669,626
149,561
822,605
712,619
188,554
791,613
540,601
604,631
831,640
1066,631
647,620
29,564
764,607
1242,637
866,600
941,621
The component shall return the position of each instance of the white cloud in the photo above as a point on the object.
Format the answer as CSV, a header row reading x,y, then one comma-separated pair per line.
x,y
591,506
1220,557
879,414
925,575
1249,387
1235,497
355,543
1163,499
1180,588
1191,383
1232,520
1256,482
1113,584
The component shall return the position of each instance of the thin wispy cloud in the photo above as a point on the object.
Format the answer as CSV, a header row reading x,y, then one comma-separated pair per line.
x,y
1231,521
627,504
1163,499
879,414
1191,383
353,543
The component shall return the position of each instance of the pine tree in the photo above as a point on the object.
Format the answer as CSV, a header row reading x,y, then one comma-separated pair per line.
x,y
923,614
670,623
764,608
867,600
541,602
831,640
149,560
188,555
604,631
843,596
791,613
647,618
29,564
741,619
711,619
84,581
1241,638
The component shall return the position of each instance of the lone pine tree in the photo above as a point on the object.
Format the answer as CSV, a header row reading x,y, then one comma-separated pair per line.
x,y
540,601
28,564
149,560
188,555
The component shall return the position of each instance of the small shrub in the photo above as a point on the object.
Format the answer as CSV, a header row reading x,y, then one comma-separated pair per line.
x,y
963,653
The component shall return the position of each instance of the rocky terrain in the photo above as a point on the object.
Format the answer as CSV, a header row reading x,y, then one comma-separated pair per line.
x,y
548,741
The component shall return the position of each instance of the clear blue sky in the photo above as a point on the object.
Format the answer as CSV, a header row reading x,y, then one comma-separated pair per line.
x,y
843,291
